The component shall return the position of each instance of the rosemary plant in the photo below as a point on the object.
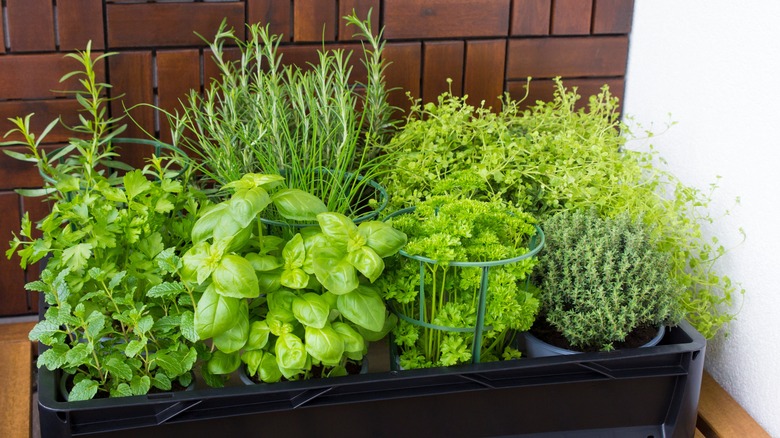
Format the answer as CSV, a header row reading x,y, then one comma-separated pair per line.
x,y
317,127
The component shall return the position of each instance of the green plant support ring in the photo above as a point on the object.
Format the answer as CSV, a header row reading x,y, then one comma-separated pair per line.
x,y
536,245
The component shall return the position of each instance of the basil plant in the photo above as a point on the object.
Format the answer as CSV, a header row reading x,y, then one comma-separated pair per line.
x,y
294,307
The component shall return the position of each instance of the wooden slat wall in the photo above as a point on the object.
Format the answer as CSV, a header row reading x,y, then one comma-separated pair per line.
x,y
486,47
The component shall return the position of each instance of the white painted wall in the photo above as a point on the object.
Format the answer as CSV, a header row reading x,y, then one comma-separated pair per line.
x,y
714,67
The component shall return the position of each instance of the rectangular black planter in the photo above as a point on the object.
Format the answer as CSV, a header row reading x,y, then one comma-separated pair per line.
x,y
647,392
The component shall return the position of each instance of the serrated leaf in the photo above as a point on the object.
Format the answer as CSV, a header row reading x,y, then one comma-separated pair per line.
x,y
134,347
169,364
135,183
187,324
77,355
53,358
76,256
84,390
166,289
140,385
145,324
43,330
119,368
161,381
122,390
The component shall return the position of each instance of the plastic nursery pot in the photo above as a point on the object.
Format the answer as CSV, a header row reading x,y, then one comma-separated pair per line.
x,y
369,187
65,380
535,347
536,245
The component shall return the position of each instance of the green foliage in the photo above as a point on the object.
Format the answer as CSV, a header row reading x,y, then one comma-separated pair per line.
x,y
600,278
449,229
554,157
313,125
285,306
117,318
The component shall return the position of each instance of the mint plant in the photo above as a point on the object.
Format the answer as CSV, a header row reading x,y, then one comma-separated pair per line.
x,y
294,307
110,245
447,229
553,158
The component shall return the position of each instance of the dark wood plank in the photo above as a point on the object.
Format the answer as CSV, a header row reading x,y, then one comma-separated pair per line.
x,y
361,8
406,19
178,72
277,14
543,89
442,60
570,56
2,32
12,294
612,16
531,17
302,55
720,415
484,75
35,76
79,21
131,75
403,73
571,17
30,25
314,20
45,111
169,24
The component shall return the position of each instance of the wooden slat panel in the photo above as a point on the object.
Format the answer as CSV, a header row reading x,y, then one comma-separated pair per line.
x,y
16,367
442,60
531,17
2,36
403,72
484,75
275,13
163,24
30,25
575,56
131,75
303,54
45,111
571,17
446,18
17,174
178,72
80,21
721,415
12,295
542,89
612,16
35,76
309,17
361,8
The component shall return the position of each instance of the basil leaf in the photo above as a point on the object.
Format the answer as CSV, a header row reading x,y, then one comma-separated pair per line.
x,y
364,307
269,371
234,338
353,341
325,345
235,277
280,304
258,335
372,336
290,352
295,204
207,222
223,363
367,262
382,238
215,313
336,226
311,310
245,205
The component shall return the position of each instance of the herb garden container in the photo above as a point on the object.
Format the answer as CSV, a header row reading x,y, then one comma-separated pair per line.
x,y
648,392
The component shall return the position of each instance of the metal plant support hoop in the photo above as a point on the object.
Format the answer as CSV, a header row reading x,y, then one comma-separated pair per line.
x,y
536,245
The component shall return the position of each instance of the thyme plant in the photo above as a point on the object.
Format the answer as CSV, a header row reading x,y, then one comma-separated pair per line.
x,y
601,278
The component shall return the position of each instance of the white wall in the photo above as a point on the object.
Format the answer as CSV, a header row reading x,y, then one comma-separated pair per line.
x,y
714,67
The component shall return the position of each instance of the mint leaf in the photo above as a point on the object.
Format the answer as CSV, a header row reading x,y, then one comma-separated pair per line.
x,y
84,390
166,289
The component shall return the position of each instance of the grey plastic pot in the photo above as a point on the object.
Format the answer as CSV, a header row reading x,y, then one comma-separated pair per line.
x,y
535,347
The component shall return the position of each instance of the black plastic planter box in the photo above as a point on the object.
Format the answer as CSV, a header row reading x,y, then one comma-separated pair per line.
x,y
648,392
